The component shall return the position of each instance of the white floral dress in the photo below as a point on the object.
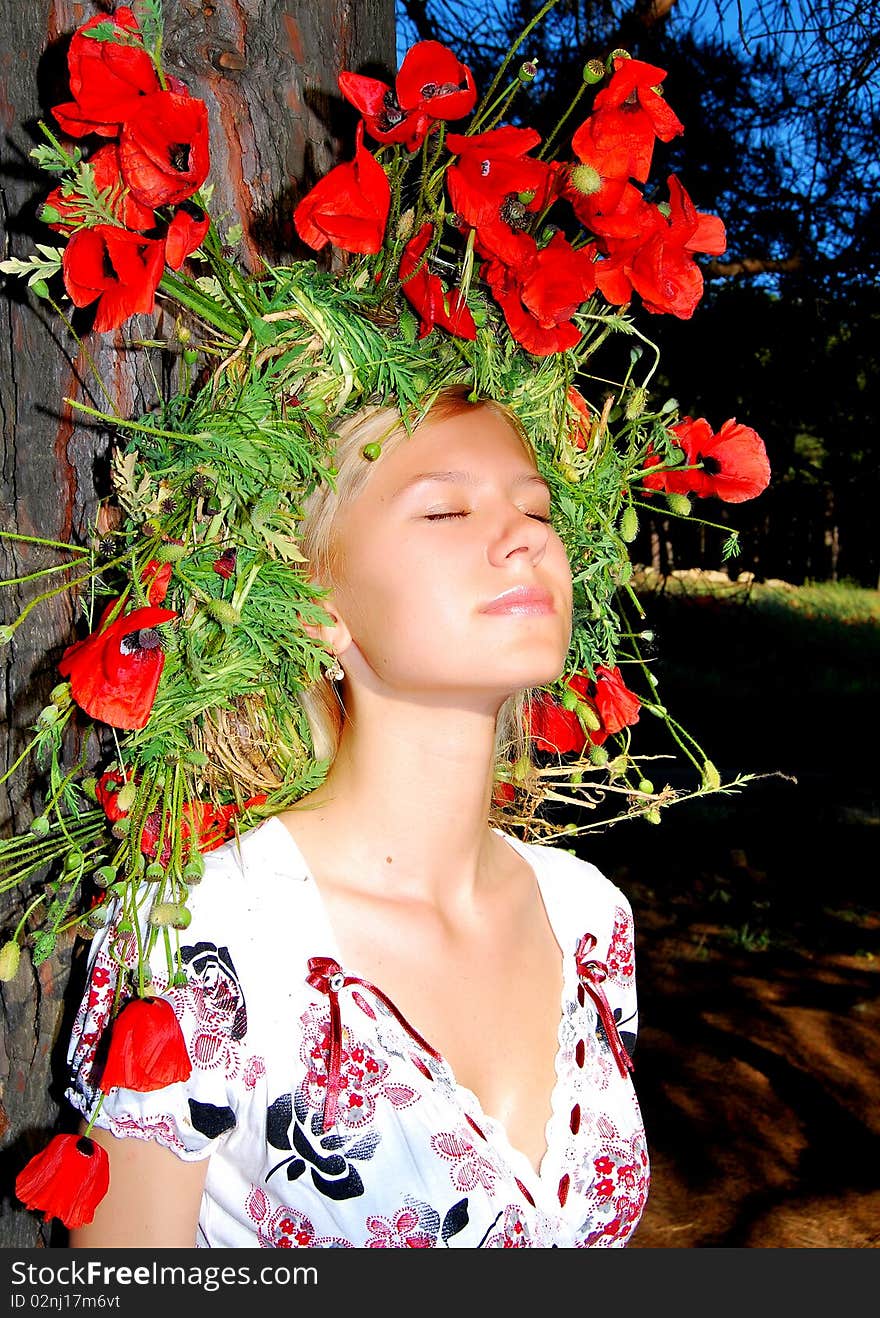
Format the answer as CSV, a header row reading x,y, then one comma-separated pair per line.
x,y
328,1122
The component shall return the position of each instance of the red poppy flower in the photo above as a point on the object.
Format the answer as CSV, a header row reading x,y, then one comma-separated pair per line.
x,y
493,174
224,566
618,707
163,148
114,673
629,115
67,1180
430,85
107,794
107,78
663,271
212,825
538,303
503,793
435,304
347,207
732,465
156,576
147,1050
553,727
432,79
120,270
586,418
383,116
185,233
105,170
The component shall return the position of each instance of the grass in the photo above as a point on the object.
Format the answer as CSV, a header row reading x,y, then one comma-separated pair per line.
x,y
771,679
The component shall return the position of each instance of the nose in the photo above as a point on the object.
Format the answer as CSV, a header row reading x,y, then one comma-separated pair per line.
x,y
519,533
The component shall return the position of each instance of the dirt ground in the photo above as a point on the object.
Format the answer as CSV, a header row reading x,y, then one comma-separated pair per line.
x,y
758,1062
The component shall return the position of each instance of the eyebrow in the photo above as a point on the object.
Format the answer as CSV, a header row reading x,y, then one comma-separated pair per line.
x,y
464,478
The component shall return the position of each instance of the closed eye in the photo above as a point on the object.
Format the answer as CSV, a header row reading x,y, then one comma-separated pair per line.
x,y
439,517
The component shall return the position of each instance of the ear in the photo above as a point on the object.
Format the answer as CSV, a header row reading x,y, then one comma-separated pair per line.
x,y
333,634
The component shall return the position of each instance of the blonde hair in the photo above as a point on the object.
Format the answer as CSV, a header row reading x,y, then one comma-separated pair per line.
x,y
321,701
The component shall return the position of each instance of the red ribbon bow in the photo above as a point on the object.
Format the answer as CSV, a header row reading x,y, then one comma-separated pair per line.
x,y
328,977
591,975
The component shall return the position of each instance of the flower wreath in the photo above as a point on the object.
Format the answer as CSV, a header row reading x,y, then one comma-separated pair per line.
x,y
478,257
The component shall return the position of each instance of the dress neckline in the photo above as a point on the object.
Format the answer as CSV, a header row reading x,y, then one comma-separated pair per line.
x,y
470,1102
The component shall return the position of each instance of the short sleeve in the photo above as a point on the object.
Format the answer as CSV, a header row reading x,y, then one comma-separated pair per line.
x,y
191,1117
620,960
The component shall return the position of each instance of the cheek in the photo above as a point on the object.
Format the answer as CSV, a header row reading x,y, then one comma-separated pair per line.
x,y
391,581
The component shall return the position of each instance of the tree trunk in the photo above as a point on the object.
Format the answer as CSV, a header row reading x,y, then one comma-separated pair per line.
x,y
267,70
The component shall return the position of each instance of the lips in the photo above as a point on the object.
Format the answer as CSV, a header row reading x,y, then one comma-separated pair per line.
x,y
521,599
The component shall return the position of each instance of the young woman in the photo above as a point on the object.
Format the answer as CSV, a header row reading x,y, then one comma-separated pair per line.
x,y
406,1028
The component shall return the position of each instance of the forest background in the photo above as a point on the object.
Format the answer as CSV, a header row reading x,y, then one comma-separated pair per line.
x,y
757,914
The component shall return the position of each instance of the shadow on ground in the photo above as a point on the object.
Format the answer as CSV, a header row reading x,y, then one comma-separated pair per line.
x,y
758,1063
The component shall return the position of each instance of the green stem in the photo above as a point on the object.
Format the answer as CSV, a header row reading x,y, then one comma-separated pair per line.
x,y
201,305
38,540
502,100
24,919
137,426
85,352
578,94
481,108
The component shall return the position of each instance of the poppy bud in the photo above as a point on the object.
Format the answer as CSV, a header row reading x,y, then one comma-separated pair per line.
x,y
10,956
6,634
67,1180
598,755
405,225
224,612
570,698
40,288
635,404
577,777
171,553
593,72
629,524
588,717
74,860
652,816
646,786
147,1049
679,503
711,777
617,766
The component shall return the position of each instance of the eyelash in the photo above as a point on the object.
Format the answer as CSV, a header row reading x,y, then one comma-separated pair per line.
x,y
438,517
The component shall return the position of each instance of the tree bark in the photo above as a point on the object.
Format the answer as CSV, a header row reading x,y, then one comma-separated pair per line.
x,y
267,70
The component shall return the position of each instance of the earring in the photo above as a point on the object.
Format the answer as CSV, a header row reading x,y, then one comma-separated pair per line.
x,y
335,673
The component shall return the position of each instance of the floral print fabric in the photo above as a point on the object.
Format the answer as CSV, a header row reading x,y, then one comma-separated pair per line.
x,y
411,1161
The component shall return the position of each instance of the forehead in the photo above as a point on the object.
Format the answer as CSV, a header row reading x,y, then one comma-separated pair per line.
x,y
477,444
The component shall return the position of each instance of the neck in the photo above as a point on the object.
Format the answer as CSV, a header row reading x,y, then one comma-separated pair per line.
x,y
406,801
